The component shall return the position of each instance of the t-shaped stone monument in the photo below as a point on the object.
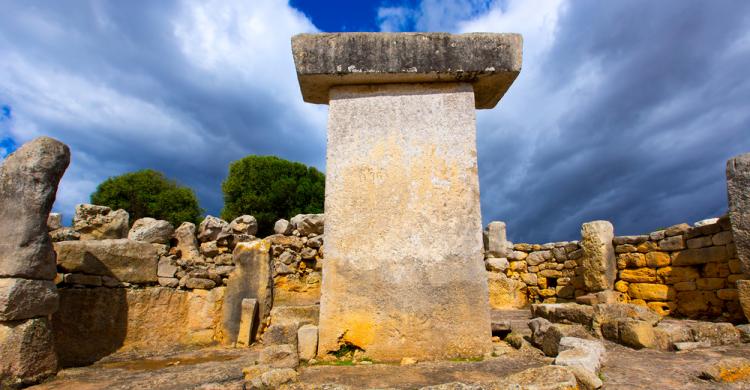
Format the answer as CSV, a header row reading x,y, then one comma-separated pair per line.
x,y
404,273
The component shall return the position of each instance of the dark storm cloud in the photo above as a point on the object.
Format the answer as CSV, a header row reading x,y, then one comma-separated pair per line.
x,y
157,85
645,142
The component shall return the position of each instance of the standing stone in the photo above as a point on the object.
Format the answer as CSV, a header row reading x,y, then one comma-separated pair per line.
x,y
28,184
252,278
738,189
27,352
247,321
599,264
495,240
187,243
404,273
307,342
94,222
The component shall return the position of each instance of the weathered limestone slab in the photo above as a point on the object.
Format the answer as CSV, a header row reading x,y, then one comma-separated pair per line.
x,y
247,321
599,264
252,278
28,184
307,342
489,62
402,158
26,298
495,240
406,277
738,189
27,352
126,260
94,222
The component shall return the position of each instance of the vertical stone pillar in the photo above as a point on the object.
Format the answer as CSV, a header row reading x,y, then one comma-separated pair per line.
x,y
599,264
404,273
738,191
28,185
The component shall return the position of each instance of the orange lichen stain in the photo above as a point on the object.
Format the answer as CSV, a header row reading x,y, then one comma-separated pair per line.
x,y
262,246
733,374
360,329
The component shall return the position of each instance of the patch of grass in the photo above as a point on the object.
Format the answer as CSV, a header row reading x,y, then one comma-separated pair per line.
x,y
345,362
601,376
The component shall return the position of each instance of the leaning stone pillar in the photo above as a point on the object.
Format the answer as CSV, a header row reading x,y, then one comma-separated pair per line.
x,y
738,190
404,274
28,184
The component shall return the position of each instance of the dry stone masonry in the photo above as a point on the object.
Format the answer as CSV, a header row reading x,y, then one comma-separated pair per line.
x,y
28,185
401,155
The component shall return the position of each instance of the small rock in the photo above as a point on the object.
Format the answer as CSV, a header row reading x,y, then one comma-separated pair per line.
x,y
211,228
54,221
691,345
279,356
278,377
308,223
244,224
283,226
729,369
408,361
307,342
200,283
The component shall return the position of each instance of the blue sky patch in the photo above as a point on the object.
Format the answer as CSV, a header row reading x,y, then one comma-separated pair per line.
x,y
5,112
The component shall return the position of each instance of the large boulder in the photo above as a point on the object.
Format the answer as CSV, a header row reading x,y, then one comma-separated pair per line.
x,y
27,352
151,230
211,229
308,223
125,260
187,243
21,299
599,264
738,190
100,222
28,184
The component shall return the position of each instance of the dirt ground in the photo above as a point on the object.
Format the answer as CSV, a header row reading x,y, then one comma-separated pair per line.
x,y
216,368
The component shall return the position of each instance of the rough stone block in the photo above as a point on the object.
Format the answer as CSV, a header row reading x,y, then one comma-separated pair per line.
x,y
738,189
247,321
28,181
303,315
252,278
599,265
699,256
495,239
25,298
280,356
490,62
636,334
151,230
126,260
94,222
307,342
277,334
651,291
27,352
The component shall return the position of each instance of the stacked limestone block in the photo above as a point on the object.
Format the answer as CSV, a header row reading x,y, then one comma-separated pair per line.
x,y
28,185
297,252
683,270
527,273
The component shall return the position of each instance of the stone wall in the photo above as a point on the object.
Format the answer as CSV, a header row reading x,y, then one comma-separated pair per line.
x,y
683,271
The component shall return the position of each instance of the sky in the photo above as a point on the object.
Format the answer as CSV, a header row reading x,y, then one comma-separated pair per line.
x,y
625,110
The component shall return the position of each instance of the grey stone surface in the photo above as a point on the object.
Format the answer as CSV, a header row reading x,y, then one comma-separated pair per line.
x,y
94,222
244,224
64,234
151,230
587,354
490,62
496,241
308,223
28,184
599,265
27,352
187,243
403,221
248,314
301,314
252,278
280,356
738,190
54,221
211,228
283,226
126,260
21,299
307,342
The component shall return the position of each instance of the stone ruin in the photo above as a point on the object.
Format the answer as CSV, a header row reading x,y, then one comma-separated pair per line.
x,y
397,270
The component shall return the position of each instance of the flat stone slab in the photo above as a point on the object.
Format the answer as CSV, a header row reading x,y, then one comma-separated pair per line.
x,y
126,260
489,61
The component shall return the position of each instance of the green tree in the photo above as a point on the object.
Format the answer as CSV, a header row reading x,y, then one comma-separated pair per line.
x,y
148,193
270,188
